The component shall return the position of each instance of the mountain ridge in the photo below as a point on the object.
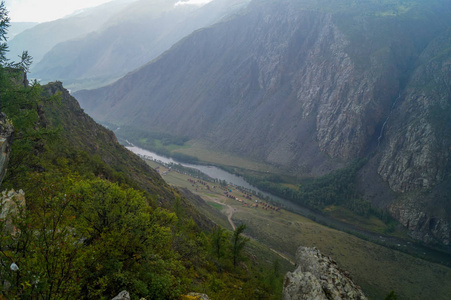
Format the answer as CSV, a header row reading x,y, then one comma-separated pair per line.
x,y
42,37
133,37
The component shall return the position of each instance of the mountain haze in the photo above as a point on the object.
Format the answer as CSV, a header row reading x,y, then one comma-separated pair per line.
x,y
139,33
311,86
18,27
39,39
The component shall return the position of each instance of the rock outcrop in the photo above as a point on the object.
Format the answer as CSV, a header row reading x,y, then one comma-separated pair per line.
x,y
10,204
6,133
416,153
318,277
124,295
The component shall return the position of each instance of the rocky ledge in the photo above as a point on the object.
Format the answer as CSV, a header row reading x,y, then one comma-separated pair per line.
x,y
318,277
6,133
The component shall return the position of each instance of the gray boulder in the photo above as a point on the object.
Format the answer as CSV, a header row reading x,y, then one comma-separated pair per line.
x,y
124,295
318,277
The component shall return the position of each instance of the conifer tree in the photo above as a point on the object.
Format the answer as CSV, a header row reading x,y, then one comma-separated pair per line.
x,y
238,243
4,24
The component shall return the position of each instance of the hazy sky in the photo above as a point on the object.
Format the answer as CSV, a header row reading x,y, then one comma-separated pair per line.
x,y
48,10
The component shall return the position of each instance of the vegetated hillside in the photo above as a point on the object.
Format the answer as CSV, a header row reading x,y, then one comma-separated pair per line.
x,y
135,36
97,220
311,87
41,38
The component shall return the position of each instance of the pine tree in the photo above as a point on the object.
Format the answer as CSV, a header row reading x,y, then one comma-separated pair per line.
x,y
4,24
238,243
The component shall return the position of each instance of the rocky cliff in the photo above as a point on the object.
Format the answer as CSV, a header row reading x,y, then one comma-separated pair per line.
x,y
415,156
311,88
318,277
6,134
10,204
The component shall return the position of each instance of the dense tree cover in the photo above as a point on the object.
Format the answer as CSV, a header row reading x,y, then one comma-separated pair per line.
x,y
90,238
335,188
86,237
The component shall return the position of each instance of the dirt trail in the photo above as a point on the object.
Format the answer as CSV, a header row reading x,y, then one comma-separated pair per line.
x,y
230,211
283,256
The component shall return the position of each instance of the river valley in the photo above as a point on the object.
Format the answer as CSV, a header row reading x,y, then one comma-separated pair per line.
x,y
407,246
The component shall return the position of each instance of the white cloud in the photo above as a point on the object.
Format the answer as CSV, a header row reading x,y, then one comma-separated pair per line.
x,y
45,10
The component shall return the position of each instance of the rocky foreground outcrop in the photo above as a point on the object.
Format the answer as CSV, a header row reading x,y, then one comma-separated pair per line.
x,y
11,202
124,295
318,277
6,133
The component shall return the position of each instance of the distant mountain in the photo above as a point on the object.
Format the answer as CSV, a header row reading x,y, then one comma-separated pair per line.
x,y
18,27
39,39
135,36
311,86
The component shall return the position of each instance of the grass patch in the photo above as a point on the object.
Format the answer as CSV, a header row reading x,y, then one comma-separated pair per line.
x,y
370,223
206,153
216,205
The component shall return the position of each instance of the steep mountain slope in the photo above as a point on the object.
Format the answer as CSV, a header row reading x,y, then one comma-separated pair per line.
x,y
92,219
39,39
83,134
135,36
81,141
416,152
311,87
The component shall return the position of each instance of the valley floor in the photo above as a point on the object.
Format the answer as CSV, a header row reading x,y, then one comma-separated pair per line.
x,y
377,269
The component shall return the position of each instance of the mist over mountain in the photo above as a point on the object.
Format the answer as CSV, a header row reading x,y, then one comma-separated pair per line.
x,y
133,37
18,27
39,39
311,86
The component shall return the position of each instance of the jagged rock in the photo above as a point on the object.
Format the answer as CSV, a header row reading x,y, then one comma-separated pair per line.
x,y
417,147
10,202
318,277
124,295
422,226
6,133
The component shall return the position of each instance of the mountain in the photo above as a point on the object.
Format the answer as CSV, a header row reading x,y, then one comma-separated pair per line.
x,y
18,27
311,87
132,38
39,39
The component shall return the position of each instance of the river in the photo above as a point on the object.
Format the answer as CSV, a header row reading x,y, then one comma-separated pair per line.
x,y
220,174
392,242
